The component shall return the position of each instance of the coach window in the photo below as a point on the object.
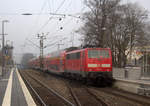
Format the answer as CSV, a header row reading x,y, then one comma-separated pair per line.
x,y
78,55
68,56
72,56
83,54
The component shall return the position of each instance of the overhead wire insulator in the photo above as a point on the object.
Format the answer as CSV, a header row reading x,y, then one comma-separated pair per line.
x,y
60,19
61,28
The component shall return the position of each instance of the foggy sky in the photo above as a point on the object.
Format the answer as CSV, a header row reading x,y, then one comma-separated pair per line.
x,y
20,28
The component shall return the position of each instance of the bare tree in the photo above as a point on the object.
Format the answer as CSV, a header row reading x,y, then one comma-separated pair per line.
x,y
117,26
96,21
130,28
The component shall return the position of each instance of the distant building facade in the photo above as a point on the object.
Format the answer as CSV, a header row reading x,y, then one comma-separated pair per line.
x,y
140,56
8,55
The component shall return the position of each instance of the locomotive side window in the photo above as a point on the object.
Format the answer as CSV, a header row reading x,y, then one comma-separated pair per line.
x,y
68,56
78,55
73,56
83,54
98,54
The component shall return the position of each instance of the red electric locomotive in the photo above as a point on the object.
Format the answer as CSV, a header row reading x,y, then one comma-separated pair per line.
x,y
87,64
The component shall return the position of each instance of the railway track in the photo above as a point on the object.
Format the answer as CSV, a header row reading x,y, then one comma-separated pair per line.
x,y
81,96
45,95
97,98
84,97
144,101
34,91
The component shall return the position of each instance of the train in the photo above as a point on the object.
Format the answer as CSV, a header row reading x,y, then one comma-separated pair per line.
x,y
88,64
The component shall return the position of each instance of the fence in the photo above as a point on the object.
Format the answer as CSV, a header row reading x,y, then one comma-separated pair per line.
x,y
0,70
132,73
145,71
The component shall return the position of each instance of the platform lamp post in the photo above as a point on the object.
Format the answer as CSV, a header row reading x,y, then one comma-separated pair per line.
x,y
3,46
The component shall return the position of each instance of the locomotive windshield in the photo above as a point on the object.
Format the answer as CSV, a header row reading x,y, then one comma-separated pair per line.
x,y
98,54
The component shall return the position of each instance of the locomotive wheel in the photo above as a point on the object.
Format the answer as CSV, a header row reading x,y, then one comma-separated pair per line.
x,y
98,81
84,80
89,81
110,81
101,81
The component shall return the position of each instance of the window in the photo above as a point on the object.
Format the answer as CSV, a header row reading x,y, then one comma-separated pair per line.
x,y
68,56
98,54
78,55
73,56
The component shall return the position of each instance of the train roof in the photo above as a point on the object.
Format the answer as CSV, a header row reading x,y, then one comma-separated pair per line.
x,y
79,50
33,59
68,50
54,54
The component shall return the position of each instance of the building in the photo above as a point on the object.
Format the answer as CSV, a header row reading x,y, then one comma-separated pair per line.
x,y
140,56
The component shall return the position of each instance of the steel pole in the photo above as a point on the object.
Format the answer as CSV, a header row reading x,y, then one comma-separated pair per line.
x,y
3,46
3,41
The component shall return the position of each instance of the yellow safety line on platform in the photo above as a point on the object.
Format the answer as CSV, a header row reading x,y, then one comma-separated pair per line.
x,y
27,95
7,97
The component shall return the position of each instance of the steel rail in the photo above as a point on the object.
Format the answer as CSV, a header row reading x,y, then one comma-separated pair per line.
x,y
51,90
74,95
88,91
97,98
40,99
111,91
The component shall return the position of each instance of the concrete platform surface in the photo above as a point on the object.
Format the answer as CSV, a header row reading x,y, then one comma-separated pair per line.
x,y
13,91
134,86
145,82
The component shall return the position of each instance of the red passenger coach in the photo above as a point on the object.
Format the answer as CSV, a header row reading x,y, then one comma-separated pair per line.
x,y
34,63
91,63
94,64
54,62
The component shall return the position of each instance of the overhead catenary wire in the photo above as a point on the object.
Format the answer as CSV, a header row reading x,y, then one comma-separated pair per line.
x,y
63,15
36,21
69,4
52,44
55,13
77,16
65,24
50,18
49,5
33,43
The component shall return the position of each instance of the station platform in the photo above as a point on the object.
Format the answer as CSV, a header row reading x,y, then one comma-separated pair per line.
x,y
140,81
131,80
139,86
13,91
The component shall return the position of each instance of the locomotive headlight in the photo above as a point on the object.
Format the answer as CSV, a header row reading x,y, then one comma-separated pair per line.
x,y
92,65
105,65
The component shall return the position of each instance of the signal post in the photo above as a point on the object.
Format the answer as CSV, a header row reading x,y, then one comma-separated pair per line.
x,y
41,57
